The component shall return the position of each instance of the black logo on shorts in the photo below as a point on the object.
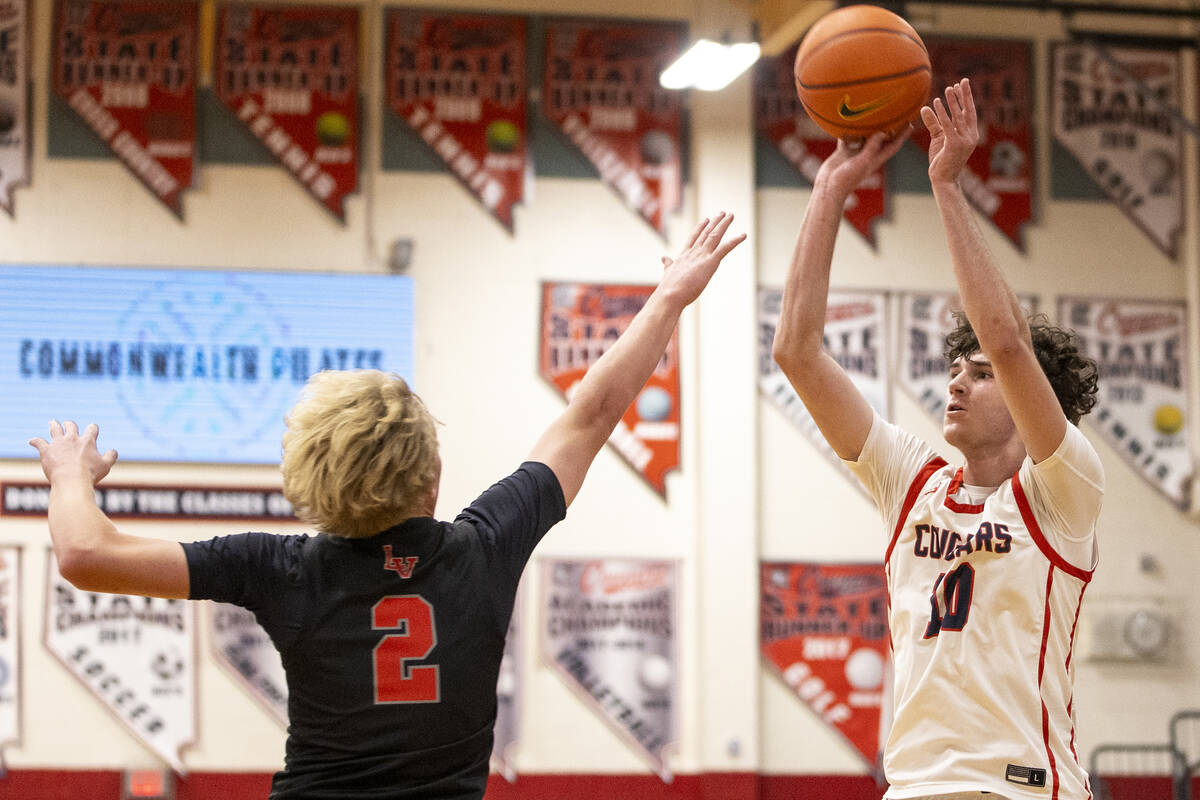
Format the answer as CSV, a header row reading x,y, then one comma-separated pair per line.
x,y
1026,776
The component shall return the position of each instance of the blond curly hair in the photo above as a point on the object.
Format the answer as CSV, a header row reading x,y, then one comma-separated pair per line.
x,y
359,453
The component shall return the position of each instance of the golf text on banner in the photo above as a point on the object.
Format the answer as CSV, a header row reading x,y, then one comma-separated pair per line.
x,y
458,80
781,120
998,177
136,655
855,336
609,631
290,74
601,89
508,697
925,320
243,648
825,634
15,95
1112,112
1140,347
580,321
128,69
10,644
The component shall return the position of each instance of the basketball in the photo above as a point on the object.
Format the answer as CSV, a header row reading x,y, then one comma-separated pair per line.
x,y
862,69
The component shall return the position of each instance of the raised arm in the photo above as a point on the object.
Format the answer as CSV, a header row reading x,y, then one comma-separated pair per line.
x,y
837,407
92,554
571,442
990,304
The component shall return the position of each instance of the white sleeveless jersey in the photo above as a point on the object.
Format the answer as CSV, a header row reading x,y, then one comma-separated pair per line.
x,y
983,614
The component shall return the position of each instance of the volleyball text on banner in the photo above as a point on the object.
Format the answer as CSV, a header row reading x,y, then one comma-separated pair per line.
x,y
781,119
128,69
580,321
925,320
459,82
855,337
1127,141
290,75
825,634
998,177
16,55
1141,349
246,652
609,631
508,698
136,655
601,89
10,645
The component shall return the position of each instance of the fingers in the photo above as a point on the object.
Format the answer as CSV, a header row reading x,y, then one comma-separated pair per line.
x,y
696,233
109,458
39,444
727,247
930,119
91,432
55,429
718,232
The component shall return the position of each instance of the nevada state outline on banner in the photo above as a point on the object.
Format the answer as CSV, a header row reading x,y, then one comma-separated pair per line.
x,y
16,57
245,650
10,645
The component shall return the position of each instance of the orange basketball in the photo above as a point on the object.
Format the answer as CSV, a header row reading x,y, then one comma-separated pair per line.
x,y
862,69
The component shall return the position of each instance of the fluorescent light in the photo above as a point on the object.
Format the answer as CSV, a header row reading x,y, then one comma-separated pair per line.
x,y
709,65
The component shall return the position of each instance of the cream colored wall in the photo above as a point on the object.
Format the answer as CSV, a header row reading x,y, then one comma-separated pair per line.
x,y
745,469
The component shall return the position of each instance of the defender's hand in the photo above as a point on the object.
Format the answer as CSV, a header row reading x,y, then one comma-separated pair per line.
x,y
69,454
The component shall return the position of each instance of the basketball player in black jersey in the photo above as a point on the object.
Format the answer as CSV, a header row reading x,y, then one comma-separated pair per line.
x,y
390,623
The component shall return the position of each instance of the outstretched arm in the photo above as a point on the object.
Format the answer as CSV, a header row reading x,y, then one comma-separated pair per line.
x,y
571,442
837,407
92,554
991,306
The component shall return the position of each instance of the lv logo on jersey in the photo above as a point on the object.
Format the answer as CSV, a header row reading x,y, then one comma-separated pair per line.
x,y
401,565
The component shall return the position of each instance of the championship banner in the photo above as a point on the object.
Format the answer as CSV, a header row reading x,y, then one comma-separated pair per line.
x,y
15,58
246,652
137,501
10,645
1125,139
580,321
1140,347
855,336
290,74
459,81
136,655
825,634
508,698
998,177
925,320
601,89
609,632
781,119
128,69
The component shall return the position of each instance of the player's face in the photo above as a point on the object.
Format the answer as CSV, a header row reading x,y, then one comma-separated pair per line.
x,y
976,415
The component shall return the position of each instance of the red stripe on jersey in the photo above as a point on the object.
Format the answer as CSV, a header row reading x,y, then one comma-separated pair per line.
x,y
959,508
1039,538
1071,700
1041,670
914,491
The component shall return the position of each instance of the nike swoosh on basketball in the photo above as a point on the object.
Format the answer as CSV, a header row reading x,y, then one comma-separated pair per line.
x,y
846,111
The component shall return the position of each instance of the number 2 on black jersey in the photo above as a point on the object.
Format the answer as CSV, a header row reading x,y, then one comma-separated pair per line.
x,y
397,681
952,606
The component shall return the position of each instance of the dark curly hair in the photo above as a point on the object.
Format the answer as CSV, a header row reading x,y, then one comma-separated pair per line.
x,y
1072,375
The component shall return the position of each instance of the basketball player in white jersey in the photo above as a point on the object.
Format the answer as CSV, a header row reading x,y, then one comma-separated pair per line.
x,y
987,562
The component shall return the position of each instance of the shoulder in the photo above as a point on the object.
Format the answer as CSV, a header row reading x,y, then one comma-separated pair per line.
x,y
1075,460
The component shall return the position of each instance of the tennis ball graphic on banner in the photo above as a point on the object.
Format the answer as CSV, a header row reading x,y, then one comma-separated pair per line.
x,y
502,136
333,128
864,669
1168,419
655,673
654,404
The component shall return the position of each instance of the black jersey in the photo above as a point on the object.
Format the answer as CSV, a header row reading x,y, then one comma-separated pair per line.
x,y
392,643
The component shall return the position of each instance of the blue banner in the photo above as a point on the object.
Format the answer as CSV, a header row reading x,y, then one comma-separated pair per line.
x,y
185,365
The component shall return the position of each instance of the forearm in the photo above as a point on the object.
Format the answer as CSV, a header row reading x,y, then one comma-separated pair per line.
x,y
990,304
799,336
612,383
78,528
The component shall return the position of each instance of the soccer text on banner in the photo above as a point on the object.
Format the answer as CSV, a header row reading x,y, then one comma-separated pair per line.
x,y
781,119
135,655
601,89
458,80
579,323
128,69
243,648
290,75
608,629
